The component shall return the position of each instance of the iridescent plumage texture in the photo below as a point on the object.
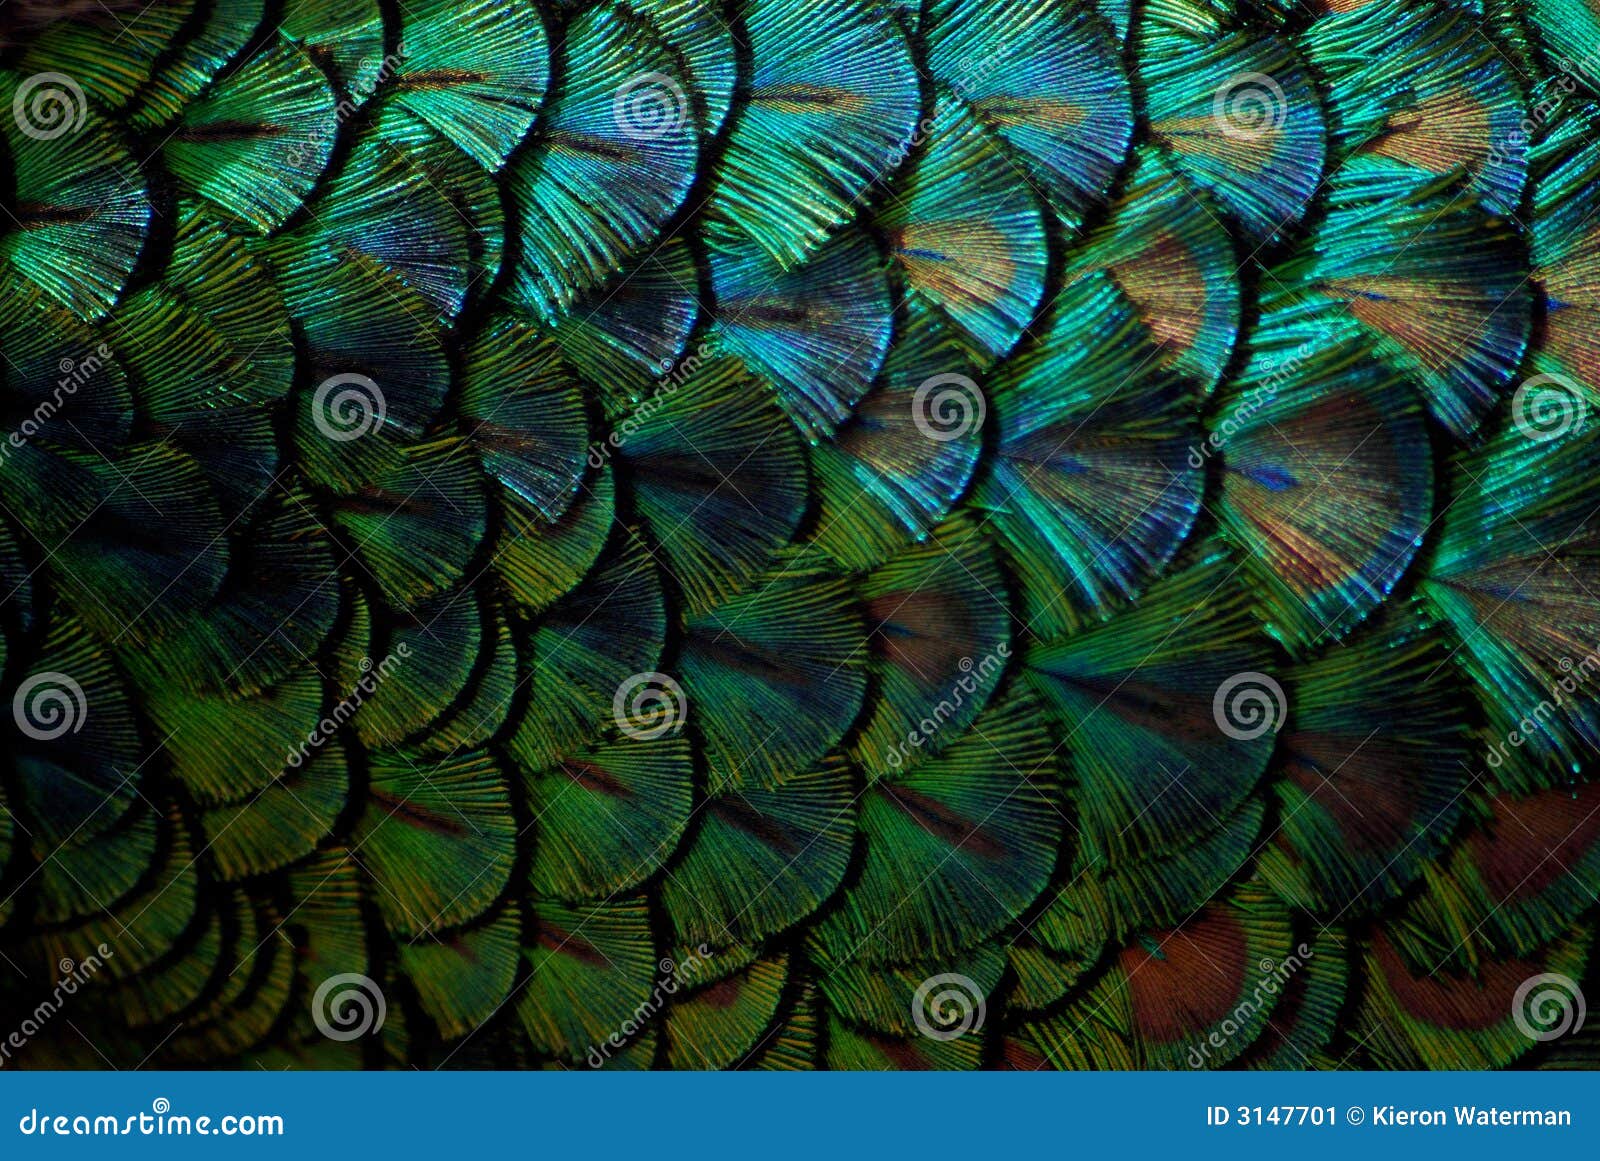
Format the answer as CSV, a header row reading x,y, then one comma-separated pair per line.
x,y
861,534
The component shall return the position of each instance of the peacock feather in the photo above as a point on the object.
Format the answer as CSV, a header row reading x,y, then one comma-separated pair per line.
x,y
790,534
